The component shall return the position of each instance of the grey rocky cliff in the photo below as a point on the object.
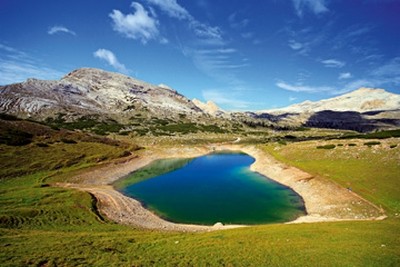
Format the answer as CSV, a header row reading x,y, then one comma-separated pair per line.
x,y
93,91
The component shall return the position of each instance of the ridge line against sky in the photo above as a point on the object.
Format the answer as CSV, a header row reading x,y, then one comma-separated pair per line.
x,y
244,56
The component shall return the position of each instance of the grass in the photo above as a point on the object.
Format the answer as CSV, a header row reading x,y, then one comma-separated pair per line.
x,y
42,225
21,160
46,226
371,172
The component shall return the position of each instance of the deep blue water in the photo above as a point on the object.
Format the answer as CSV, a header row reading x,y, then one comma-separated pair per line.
x,y
213,188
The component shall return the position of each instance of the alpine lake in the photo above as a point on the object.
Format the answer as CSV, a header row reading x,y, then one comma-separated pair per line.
x,y
218,187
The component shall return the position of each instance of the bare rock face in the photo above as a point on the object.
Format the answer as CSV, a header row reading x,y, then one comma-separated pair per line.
x,y
361,100
93,91
209,107
363,110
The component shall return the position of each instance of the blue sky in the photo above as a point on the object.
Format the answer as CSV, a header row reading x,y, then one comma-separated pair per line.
x,y
243,55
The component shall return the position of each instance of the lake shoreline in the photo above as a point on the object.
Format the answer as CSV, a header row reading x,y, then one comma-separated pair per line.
x,y
324,200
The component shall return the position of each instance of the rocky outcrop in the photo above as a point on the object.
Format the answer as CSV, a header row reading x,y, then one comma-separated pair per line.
x,y
210,108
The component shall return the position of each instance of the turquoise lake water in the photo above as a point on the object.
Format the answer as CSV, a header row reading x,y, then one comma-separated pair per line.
x,y
212,188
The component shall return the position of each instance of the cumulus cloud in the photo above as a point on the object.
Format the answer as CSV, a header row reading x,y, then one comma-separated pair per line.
x,y
304,88
345,75
316,6
333,63
60,29
111,59
139,26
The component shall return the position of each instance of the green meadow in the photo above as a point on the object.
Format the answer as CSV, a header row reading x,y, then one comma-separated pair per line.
x,y
43,225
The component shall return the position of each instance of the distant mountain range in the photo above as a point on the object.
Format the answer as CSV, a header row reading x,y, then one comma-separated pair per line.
x,y
363,110
93,93
361,100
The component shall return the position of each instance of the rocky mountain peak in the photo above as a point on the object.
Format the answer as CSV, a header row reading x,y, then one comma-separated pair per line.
x,y
361,100
209,107
93,91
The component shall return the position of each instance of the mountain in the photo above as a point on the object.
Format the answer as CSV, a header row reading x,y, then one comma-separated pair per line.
x,y
361,100
210,108
105,102
89,91
363,110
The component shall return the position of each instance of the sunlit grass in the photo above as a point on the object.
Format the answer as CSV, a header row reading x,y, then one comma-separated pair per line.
x,y
372,172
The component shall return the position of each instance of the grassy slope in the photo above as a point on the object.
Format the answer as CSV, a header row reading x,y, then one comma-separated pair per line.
x,y
46,226
371,171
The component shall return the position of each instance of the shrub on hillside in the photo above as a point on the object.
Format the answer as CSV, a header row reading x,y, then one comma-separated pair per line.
x,y
326,147
372,143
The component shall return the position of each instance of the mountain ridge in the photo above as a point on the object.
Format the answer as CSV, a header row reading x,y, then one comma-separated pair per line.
x,y
361,100
93,93
89,90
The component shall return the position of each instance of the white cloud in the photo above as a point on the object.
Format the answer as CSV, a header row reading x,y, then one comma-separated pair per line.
x,y
391,69
111,59
304,88
354,85
16,66
58,29
172,8
139,25
333,63
353,39
295,45
205,45
291,98
316,6
345,75
219,63
208,34
386,75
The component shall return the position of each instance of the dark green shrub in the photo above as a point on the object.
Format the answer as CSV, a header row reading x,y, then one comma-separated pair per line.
x,y
68,141
372,143
393,146
42,145
13,137
8,117
326,147
125,153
